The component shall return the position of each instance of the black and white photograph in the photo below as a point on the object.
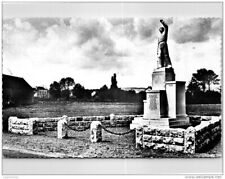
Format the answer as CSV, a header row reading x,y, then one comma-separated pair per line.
x,y
109,85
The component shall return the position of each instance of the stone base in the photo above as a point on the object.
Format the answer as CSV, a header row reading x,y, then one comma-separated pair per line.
x,y
179,122
155,106
140,122
161,123
160,76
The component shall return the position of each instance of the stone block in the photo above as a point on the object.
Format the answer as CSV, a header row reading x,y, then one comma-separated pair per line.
x,y
101,118
160,123
189,140
156,104
86,118
96,132
178,141
112,119
138,122
139,136
175,93
62,130
161,76
10,121
20,126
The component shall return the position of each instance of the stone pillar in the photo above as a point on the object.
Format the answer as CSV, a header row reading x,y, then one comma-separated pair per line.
x,y
160,76
112,119
156,104
189,140
139,136
175,92
62,130
171,98
35,125
146,111
181,100
96,131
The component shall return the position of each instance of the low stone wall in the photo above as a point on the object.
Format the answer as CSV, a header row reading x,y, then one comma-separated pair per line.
x,y
190,140
170,140
207,133
20,126
38,125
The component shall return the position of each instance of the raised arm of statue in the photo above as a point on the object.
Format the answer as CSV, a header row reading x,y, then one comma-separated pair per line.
x,y
164,24
163,31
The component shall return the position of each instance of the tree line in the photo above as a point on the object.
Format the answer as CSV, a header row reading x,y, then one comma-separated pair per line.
x,y
200,90
67,89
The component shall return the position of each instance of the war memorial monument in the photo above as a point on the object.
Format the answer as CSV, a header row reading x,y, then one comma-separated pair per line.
x,y
165,104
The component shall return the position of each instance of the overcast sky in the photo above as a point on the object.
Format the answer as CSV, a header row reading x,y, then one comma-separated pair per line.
x,y
91,49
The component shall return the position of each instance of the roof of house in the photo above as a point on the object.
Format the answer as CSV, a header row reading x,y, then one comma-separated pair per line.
x,y
40,88
15,82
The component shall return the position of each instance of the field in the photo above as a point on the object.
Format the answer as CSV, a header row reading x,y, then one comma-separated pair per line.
x,y
56,109
78,145
60,108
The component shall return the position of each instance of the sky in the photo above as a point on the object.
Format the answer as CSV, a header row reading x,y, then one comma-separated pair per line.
x,y
91,49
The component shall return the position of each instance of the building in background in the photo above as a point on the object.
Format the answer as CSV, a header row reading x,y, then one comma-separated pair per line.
x,y
41,92
16,91
136,89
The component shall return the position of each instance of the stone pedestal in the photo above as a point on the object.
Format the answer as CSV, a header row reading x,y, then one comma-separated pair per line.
x,y
175,92
96,132
160,76
62,131
155,104
165,104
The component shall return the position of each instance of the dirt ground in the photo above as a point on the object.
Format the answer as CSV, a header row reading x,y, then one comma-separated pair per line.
x,y
78,145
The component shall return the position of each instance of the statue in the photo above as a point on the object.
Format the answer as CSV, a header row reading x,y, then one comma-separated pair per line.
x,y
162,50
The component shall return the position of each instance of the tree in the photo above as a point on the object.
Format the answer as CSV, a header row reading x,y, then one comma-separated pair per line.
x,y
66,83
103,88
199,89
113,82
205,78
79,91
193,87
55,90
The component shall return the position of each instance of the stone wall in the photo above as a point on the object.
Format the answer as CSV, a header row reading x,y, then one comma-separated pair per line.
x,y
50,124
190,140
20,126
169,140
207,133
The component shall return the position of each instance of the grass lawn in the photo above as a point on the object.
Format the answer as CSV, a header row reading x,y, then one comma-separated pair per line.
x,y
60,108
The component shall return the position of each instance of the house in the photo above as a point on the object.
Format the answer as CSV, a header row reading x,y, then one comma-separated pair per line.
x,y
41,92
136,89
16,91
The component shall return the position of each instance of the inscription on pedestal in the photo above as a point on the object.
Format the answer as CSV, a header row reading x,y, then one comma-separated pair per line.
x,y
153,102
